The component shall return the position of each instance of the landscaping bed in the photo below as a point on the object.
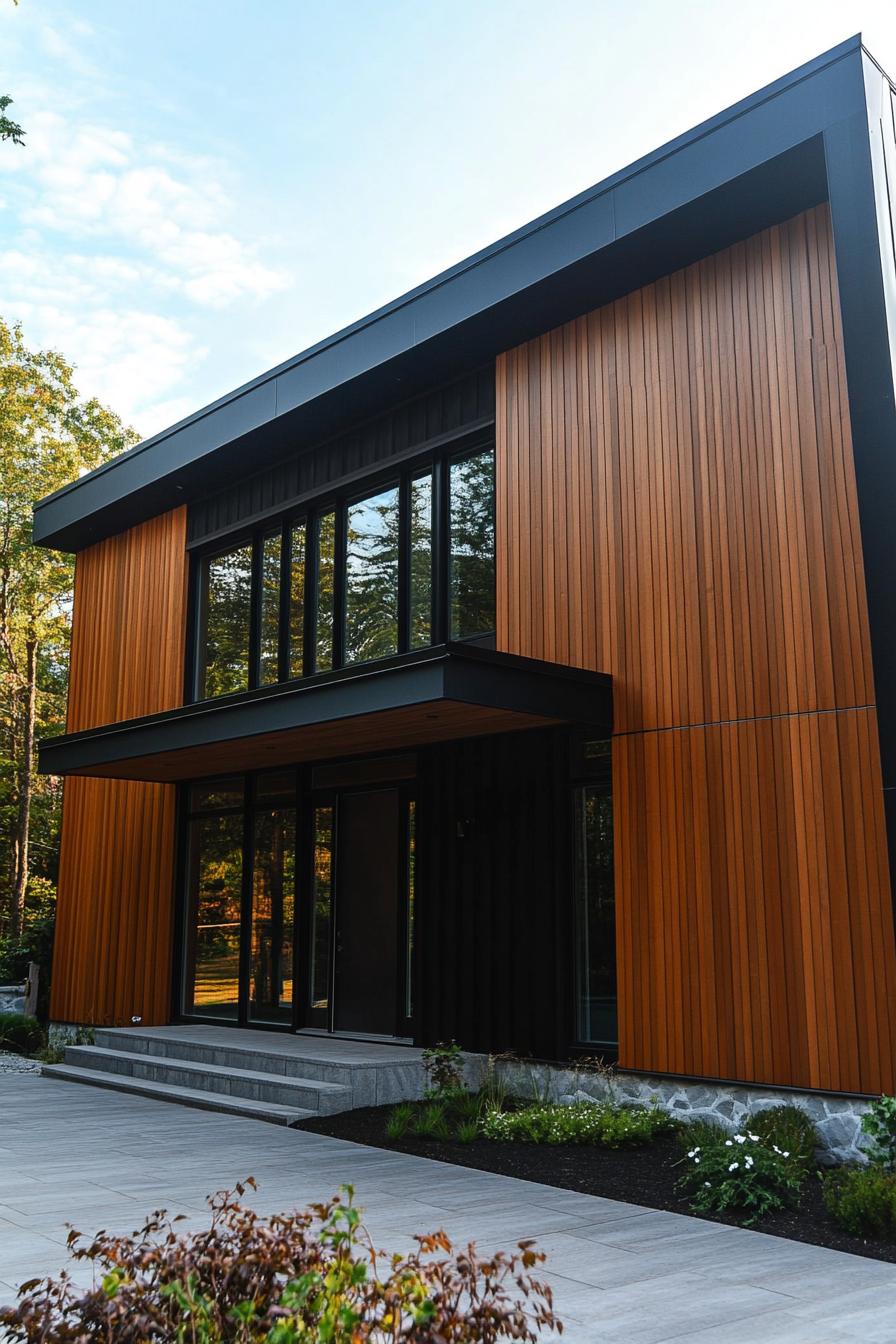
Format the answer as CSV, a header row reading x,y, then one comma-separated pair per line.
x,y
645,1175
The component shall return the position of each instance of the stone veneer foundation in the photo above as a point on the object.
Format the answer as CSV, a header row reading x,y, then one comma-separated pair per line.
x,y
837,1118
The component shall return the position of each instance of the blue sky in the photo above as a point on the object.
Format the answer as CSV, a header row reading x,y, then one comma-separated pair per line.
x,y
210,186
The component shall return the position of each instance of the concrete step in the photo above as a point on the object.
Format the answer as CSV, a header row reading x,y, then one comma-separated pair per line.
x,y
256,1057
228,1079
186,1096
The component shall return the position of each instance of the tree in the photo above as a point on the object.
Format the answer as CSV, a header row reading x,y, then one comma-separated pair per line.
x,y
9,129
48,437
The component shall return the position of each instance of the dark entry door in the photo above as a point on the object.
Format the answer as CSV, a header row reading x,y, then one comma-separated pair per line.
x,y
367,912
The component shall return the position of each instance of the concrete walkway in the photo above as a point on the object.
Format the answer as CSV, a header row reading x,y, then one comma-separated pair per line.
x,y
620,1272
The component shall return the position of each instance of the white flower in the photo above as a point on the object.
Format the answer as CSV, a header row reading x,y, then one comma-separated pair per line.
x,y
748,1163
692,1153
739,1138
754,1137
734,1166
728,1143
708,1184
785,1154
696,1161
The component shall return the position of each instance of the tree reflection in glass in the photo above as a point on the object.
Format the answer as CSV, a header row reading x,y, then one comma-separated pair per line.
x,y
269,621
596,914
224,638
273,911
297,602
216,862
371,577
326,588
321,909
472,566
420,528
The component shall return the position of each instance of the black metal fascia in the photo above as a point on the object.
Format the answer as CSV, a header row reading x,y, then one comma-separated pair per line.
x,y
729,176
446,673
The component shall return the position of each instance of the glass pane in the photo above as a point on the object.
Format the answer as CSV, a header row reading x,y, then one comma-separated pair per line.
x,y
322,907
216,874
273,909
371,578
596,914
224,633
472,580
326,557
421,562
216,794
269,621
297,602
412,874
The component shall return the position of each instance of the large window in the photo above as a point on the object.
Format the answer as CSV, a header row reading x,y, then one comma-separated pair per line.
x,y
215,860
595,900
224,623
407,564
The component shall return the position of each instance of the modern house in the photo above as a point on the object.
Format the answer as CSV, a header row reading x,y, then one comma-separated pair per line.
x,y
518,665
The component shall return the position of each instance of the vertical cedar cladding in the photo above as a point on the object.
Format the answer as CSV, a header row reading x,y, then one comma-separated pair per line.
x,y
677,506
112,959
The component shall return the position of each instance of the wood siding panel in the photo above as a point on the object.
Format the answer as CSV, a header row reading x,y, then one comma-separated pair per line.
x,y
676,505
112,958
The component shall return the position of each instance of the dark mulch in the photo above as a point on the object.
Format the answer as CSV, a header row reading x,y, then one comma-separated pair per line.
x,y
635,1175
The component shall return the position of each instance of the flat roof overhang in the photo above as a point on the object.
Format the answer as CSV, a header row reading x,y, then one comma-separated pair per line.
x,y
447,692
758,162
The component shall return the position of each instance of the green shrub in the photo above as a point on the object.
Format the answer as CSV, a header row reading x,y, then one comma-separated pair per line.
x,y
742,1174
400,1122
432,1122
702,1133
34,944
879,1123
444,1068
467,1131
20,1034
862,1200
604,1123
791,1129
286,1279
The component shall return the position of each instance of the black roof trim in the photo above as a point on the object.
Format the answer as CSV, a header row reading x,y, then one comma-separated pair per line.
x,y
485,303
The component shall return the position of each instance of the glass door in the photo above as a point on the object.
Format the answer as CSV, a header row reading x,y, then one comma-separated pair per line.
x,y
272,930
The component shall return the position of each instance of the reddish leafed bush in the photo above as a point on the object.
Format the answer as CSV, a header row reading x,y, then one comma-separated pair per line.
x,y
312,1275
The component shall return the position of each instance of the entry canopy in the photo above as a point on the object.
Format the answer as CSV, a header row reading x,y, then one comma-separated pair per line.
x,y
441,693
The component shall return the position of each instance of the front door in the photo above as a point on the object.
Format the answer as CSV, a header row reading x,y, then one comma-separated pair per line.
x,y
367,912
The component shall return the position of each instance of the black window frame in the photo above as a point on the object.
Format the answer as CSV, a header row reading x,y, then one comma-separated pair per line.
x,y
336,500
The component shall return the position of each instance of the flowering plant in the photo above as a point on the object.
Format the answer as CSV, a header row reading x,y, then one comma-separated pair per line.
x,y
743,1173
604,1123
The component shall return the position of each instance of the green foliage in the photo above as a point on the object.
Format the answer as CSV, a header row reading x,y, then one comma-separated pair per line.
x,y
862,1200
311,1277
742,1174
444,1068
35,943
432,1122
879,1123
400,1122
604,1123
48,437
790,1128
20,1034
702,1133
9,129
467,1131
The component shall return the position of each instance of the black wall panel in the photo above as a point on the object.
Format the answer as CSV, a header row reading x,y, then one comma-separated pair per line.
x,y
494,950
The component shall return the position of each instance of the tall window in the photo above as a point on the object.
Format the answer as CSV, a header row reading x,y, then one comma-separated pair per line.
x,y
225,608
595,901
269,635
373,546
326,592
408,564
321,911
472,573
215,888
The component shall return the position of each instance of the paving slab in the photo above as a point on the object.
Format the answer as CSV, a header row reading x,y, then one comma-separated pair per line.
x,y
95,1158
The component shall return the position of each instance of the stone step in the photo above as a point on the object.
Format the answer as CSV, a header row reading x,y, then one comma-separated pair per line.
x,y
228,1079
255,1056
185,1096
